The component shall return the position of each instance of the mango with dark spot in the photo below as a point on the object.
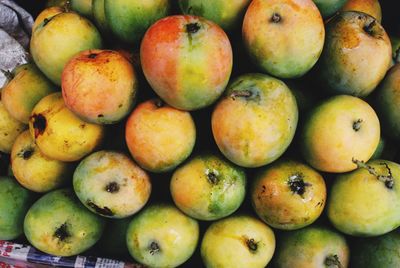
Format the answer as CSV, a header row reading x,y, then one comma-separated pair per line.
x,y
329,7
208,187
10,128
370,7
47,14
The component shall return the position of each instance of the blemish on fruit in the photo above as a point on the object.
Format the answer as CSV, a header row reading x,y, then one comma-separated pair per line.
x,y
357,124
154,248
297,184
92,55
276,18
112,187
105,211
192,28
39,124
62,232
386,179
332,261
100,115
158,103
241,93
368,28
212,176
26,153
252,245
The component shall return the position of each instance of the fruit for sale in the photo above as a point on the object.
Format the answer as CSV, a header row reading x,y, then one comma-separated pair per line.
x,y
208,187
83,7
387,103
14,203
283,38
162,236
356,55
113,240
60,3
366,202
288,195
370,7
159,136
329,7
129,20
59,133
99,16
27,87
10,128
255,121
57,39
377,252
47,14
311,247
227,14
238,241
190,66
99,86
111,185
338,130
60,225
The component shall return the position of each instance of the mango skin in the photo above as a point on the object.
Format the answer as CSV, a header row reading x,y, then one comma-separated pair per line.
x,y
47,13
99,15
24,91
159,138
191,65
129,20
34,170
14,203
99,86
254,131
175,234
58,3
225,243
83,7
377,252
55,42
353,62
227,14
370,7
94,175
10,128
361,205
60,209
309,247
290,47
328,140
329,7
280,207
387,103
194,192
59,133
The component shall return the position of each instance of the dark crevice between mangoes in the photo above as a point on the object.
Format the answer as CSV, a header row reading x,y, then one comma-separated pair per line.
x,y
396,57
105,211
369,28
112,187
39,124
332,261
62,232
386,179
9,76
158,103
297,184
251,244
192,28
276,18
154,248
357,124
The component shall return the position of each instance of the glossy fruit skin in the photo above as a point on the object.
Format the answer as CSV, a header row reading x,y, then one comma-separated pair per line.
x,y
69,33
34,170
99,86
159,136
208,187
283,38
255,121
111,184
354,60
191,65
310,247
238,241
24,91
387,103
10,128
129,20
60,225
338,130
361,205
227,14
14,203
329,7
162,236
59,133
275,200
370,7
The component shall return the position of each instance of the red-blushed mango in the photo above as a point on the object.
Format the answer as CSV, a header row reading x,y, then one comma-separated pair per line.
x,y
329,7
226,13
58,224
34,170
10,128
111,184
99,86
208,187
370,7
57,39
283,37
340,129
255,121
159,136
288,195
47,14
356,56
24,91
59,133
313,246
190,65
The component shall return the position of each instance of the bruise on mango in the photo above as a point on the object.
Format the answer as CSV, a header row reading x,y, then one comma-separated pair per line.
x,y
39,124
62,232
102,211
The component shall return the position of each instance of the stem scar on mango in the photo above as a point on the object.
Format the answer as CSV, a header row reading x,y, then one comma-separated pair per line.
x,y
112,187
154,248
251,244
357,124
333,261
386,179
276,18
297,184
